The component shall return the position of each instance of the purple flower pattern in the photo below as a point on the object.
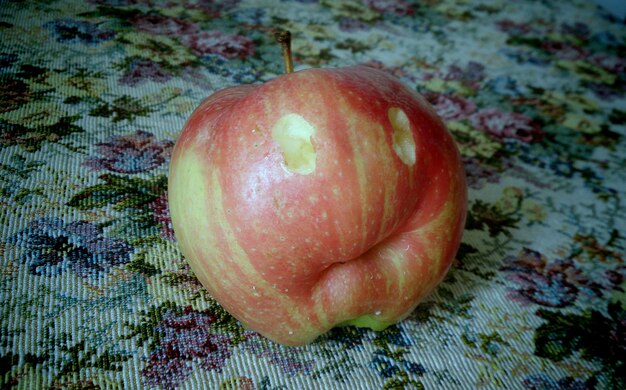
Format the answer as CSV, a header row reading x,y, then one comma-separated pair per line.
x,y
142,70
134,153
52,246
161,215
185,337
450,107
164,25
75,31
216,42
506,125
547,283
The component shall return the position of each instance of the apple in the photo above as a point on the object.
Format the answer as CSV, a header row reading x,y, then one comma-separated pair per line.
x,y
322,198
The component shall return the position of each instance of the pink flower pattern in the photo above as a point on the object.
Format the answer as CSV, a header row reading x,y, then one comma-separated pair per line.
x,y
216,42
506,125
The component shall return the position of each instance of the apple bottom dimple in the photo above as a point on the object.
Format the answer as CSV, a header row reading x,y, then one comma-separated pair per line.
x,y
383,285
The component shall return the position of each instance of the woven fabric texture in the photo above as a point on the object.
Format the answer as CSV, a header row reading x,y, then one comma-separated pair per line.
x,y
96,294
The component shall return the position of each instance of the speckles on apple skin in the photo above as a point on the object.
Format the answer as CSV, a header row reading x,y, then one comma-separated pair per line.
x,y
255,293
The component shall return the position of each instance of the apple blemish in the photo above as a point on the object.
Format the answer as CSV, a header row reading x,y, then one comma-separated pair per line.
x,y
293,135
403,142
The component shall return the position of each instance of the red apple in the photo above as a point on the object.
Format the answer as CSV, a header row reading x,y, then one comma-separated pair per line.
x,y
322,198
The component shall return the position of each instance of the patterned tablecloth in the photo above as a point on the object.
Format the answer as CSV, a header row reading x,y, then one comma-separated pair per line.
x,y
96,294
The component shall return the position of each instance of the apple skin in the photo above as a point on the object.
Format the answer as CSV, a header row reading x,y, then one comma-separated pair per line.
x,y
359,239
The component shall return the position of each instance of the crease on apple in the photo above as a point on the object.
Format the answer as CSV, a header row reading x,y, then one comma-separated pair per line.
x,y
407,256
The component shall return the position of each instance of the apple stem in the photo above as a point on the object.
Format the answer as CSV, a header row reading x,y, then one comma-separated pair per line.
x,y
283,37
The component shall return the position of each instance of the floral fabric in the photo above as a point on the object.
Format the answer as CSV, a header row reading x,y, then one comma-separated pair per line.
x,y
96,294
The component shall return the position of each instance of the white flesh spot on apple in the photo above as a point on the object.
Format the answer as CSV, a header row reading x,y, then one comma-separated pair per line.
x,y
403,142
293,134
